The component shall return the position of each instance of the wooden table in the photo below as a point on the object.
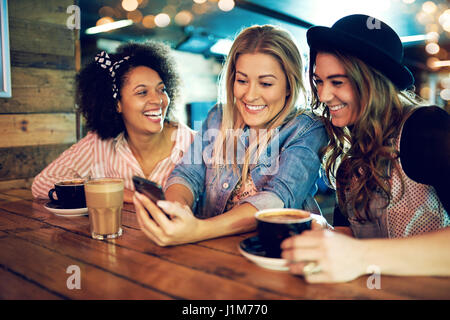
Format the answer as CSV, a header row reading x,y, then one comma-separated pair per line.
x,y
37,249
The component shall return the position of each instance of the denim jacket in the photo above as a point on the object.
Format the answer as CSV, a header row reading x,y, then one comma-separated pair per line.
x,y
284,176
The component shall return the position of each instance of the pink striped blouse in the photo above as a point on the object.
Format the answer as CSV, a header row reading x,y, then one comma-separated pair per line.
x,y
93,157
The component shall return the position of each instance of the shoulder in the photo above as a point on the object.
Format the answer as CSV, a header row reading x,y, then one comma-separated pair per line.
x,y
183,136
427,117
91,138
429,122
304,122
423,152
185,130
214,117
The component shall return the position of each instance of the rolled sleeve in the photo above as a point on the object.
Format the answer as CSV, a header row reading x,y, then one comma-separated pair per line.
x,y
179,180
265,200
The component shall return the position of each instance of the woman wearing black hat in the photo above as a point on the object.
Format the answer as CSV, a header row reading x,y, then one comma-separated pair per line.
x,y
387,157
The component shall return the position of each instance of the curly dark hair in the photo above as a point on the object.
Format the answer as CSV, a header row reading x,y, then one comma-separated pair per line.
x,y
94,85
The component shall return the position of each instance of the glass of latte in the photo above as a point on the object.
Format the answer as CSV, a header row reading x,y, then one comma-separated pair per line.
x,y
104,200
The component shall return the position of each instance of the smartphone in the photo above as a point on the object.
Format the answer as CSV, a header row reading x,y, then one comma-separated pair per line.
x,y
149,188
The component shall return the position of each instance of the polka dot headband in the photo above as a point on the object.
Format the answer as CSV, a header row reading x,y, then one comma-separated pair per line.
x,y
104,61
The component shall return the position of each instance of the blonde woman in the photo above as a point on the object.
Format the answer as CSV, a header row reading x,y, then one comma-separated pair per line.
x,y
256,151
392,177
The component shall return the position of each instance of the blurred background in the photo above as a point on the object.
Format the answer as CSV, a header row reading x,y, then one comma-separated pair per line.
x,y
201,31
51,40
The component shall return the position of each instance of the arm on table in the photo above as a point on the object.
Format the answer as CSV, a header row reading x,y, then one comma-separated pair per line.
x,y
183,226
425,254
343,258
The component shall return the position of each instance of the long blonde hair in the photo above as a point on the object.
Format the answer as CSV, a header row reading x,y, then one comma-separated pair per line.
x,y
277,43
369,148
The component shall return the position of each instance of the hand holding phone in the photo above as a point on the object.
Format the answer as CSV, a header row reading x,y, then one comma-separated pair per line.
x,y
148,188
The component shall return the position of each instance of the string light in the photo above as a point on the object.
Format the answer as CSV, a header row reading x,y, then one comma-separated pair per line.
x,y
104,20
149,21
226,5
445,94
162,20
429,7
432,48
135,15
130,5
183,18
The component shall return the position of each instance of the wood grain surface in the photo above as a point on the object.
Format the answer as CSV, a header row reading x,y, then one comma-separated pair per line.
x,y
37,247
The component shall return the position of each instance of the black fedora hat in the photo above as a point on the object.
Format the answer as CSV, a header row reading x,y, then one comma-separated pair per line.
x,y
368,39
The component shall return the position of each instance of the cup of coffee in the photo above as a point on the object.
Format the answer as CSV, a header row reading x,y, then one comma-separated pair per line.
x,y
104,199
275,225
69,193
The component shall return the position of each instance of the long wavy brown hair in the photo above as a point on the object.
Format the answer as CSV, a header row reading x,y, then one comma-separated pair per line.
x,y
363,152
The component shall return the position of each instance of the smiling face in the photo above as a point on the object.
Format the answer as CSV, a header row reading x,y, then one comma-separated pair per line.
x,y
144,101
260,88
335,90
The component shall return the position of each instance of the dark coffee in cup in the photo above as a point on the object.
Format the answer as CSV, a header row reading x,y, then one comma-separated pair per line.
x,y
69,193
275,225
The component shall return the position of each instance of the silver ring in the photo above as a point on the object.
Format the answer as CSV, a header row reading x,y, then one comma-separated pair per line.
x,y
311,268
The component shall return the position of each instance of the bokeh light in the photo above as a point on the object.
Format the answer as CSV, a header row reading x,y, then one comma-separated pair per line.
x,y
130,5
104,20
432,48
106,11
429,7
162,20
149,21
425,92
183,18
135,15
445,94
226,5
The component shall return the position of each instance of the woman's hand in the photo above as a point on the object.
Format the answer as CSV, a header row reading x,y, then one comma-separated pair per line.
x,y
328,256
319,222
180,228
128,195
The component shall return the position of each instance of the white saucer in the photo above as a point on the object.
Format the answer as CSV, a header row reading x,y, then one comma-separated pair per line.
x,y
63,212
251,249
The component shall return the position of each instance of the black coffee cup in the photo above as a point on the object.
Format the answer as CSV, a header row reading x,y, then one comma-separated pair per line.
x,y
275,225
70,194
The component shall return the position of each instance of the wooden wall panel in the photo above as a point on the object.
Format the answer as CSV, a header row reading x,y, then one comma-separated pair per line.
x,y
25,162
41,60
36,129
40,90
30,36
55,10
16,183
38,122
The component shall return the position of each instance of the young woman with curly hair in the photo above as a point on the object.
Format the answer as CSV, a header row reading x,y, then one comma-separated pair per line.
x,y
388,158
127,99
